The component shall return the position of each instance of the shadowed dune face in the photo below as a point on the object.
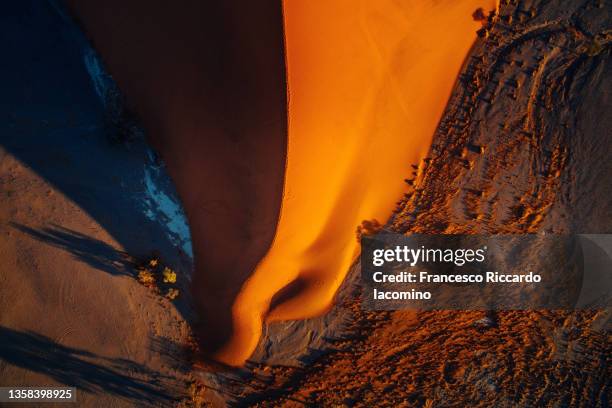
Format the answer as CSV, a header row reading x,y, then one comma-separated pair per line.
x,y
208,82
274,187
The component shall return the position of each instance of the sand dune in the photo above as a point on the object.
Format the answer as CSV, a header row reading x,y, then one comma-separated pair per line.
x,y
207,79
367,84
493,169
522,146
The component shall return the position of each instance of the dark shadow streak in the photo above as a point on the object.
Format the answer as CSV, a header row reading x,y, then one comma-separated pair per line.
x,y
173,354
84,370
96,253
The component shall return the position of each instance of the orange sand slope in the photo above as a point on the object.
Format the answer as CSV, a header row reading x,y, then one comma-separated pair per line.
x,y
368,82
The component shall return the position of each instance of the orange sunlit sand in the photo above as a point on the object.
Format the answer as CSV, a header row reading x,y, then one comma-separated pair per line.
x,y
367,84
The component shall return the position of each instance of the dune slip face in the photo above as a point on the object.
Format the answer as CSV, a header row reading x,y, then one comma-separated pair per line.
x,y
280,144
367,84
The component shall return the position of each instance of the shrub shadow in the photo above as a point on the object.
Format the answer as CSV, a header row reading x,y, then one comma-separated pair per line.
x,y
97,254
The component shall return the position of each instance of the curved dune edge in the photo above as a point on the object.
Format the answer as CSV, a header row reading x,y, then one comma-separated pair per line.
x,y
366,85
481,171
207,80
366,90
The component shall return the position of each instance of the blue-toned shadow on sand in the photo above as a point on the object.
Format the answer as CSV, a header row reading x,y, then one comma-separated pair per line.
x,y
59,110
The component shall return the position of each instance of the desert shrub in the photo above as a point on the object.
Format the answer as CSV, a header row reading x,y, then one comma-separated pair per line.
x,y
172,293
169,275
153,274
146,277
